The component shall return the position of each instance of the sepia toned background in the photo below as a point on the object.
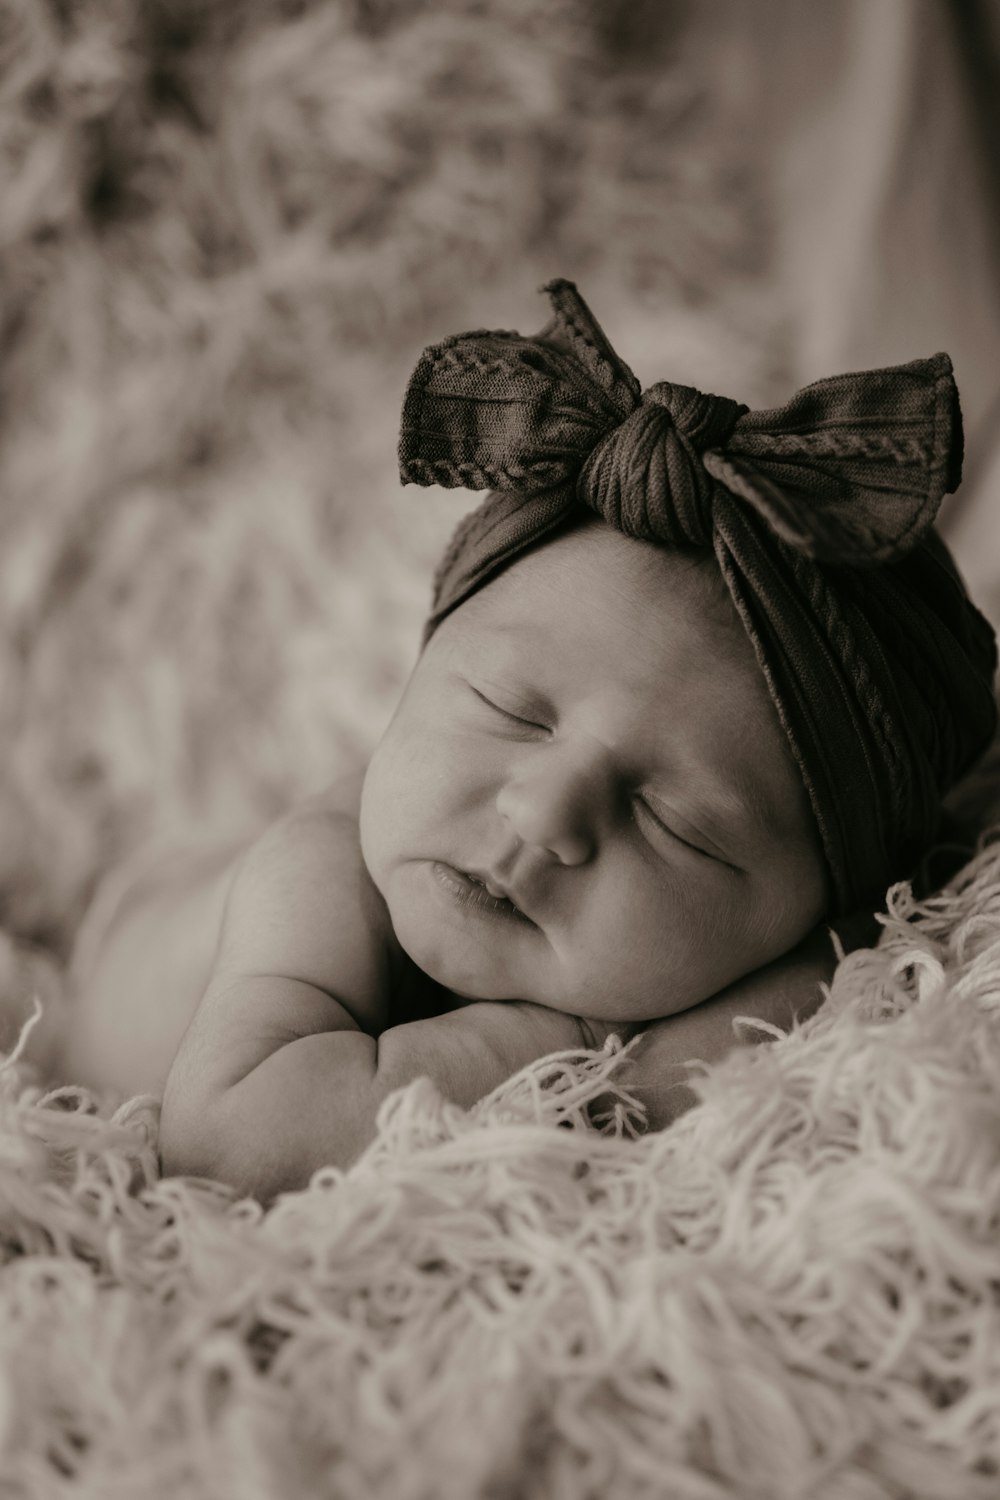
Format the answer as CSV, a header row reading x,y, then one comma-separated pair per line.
x,y
227,229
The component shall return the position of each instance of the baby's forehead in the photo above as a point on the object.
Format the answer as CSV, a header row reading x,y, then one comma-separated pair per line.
x,y
594,564
655,627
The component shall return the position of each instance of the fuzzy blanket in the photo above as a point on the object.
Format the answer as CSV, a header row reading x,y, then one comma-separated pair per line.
x,y
793,1291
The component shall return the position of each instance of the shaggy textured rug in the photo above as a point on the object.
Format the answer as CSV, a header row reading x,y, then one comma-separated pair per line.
x,y
792,1292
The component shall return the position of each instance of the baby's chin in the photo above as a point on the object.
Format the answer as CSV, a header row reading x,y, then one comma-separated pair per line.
x,y
474,952
457,962
467,981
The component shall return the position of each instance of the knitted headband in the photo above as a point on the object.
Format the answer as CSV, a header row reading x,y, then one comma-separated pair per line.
x,y
820,515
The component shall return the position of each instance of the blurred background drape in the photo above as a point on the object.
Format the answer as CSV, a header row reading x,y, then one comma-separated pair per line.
x,y
226,231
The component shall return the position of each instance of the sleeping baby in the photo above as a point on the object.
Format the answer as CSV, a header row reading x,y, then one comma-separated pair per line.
x,y
695,682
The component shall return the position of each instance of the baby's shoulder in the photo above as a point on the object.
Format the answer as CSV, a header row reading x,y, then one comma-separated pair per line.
x,y
302,904
317,837
304,844
342,796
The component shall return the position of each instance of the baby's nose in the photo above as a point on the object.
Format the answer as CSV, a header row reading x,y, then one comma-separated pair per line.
x,y
554,803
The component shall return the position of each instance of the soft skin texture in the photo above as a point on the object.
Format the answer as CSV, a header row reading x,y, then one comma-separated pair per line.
x,y
590,733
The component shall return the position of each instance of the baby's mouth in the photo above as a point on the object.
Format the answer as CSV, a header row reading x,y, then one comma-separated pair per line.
x,y
500,899
496,892
479,892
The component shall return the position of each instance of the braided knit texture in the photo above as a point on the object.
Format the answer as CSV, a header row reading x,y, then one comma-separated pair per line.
x,y
792,1291
850,471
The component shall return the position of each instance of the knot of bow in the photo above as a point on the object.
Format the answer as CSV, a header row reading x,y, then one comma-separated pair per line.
x,y
850,471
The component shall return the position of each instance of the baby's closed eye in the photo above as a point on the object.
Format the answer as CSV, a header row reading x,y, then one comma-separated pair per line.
x,y
507,705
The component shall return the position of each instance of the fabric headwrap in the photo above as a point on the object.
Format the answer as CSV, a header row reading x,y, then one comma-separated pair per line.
x,y
820,515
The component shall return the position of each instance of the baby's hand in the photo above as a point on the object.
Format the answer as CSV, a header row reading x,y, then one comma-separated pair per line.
x,y
595,1033
469,1052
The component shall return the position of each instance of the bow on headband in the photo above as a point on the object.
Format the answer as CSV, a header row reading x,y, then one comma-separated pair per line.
x,y
851,471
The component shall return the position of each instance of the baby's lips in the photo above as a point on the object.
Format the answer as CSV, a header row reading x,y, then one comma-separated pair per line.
x,y
495,886
500,889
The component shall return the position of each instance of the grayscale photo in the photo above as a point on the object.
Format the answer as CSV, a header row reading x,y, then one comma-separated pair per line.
x,y
500,772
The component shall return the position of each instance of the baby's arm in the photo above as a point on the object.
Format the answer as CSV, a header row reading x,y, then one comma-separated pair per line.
x,y
280,1054
286,1061
468,1053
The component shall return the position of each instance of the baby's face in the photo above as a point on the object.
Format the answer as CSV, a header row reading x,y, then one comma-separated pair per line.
x,y
590,737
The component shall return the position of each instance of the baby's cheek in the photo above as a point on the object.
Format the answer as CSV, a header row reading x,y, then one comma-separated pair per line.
x,y
776,920
615,979
370,827
655,960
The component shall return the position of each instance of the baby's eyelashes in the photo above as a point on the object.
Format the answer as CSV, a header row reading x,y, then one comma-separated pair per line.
x,y
516,712
649,821
650,815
